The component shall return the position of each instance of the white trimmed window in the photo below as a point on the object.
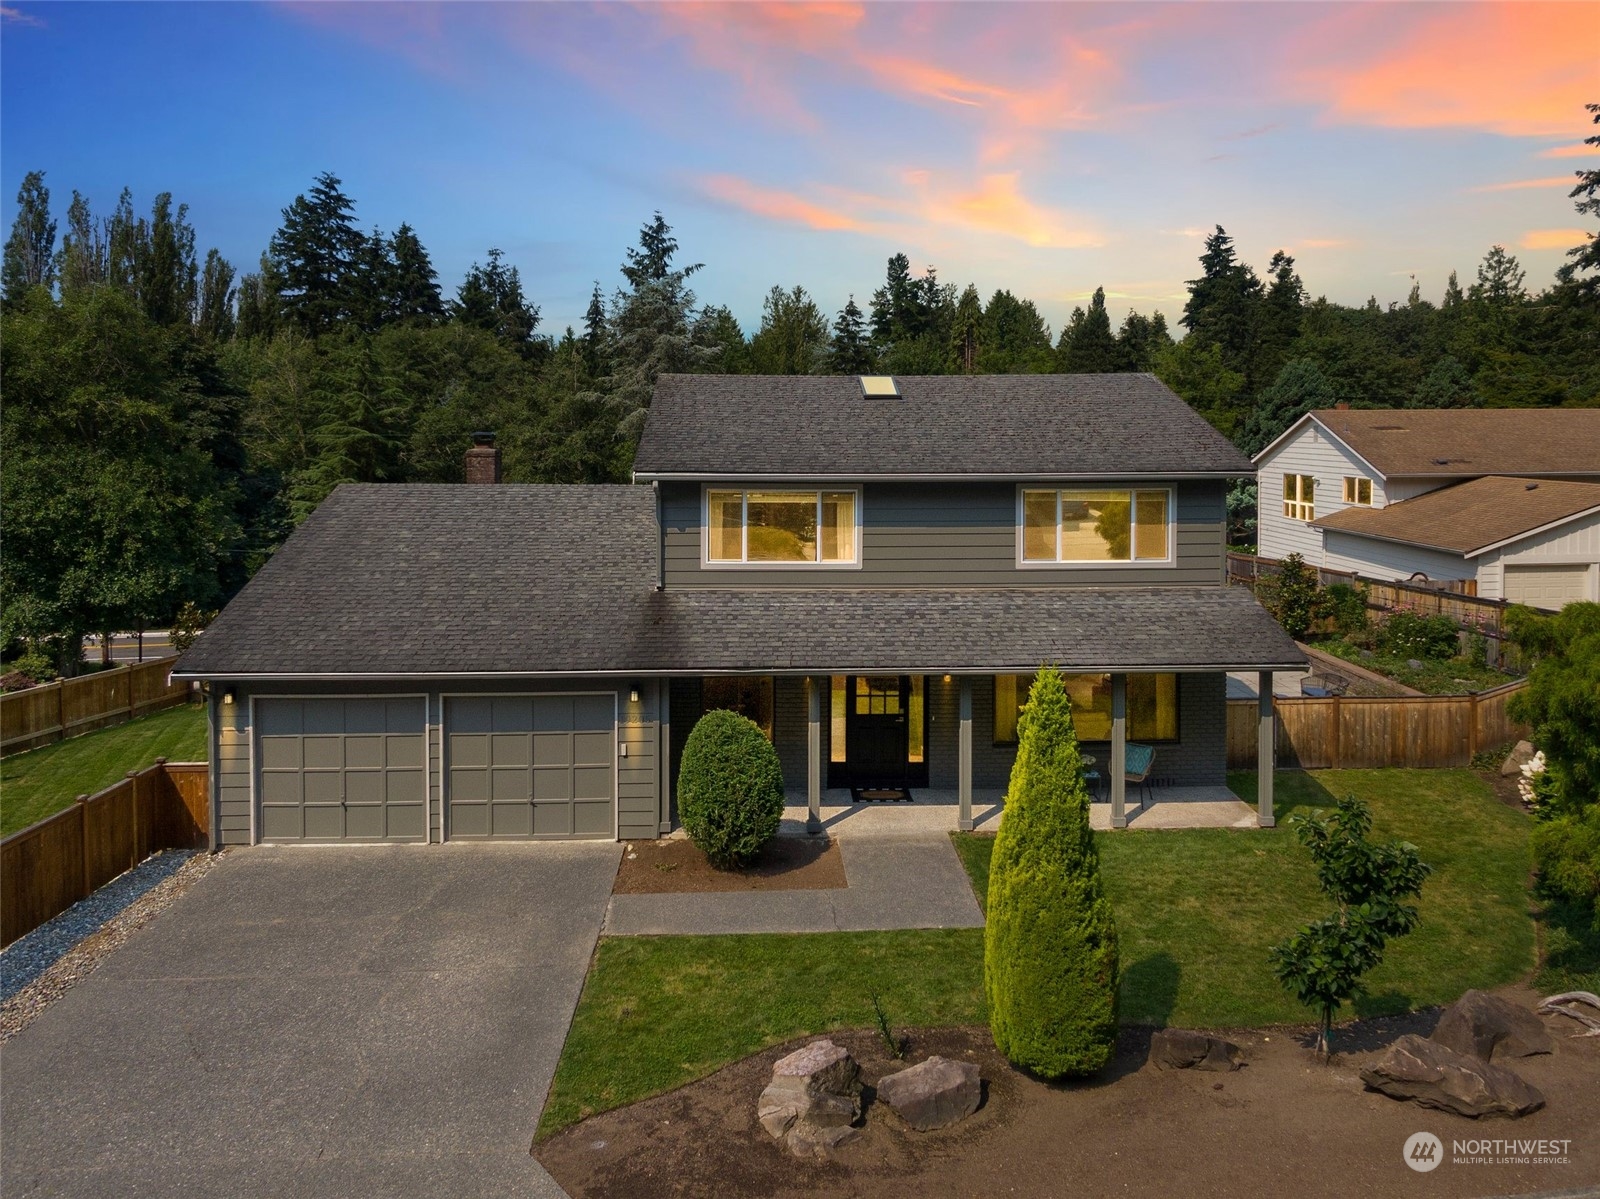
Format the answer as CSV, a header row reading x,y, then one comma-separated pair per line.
x,y
1096,525
782,528
1357,490
1300,497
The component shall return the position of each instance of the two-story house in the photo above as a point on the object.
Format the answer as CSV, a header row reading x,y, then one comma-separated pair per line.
x,y
870,569
1506,498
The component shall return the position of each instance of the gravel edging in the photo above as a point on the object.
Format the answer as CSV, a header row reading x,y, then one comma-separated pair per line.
x,y
37,969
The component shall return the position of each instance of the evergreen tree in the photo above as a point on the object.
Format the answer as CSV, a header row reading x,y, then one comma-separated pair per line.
x,y
123,251
1087,346
371,283
1223,308
1299,387
1050,943
1584,269
596,337
967,334
316,250
412,294
911,321
1448,385
1142,341
30,252
1015,338
260,301
164,263
1453,296
653,327
718,328
214,315
793,338
1282,312
83,249
491,298
1199,375
850,353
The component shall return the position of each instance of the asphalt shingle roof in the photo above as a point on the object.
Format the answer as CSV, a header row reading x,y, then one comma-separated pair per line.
x,y
453,580
1008,425
1470,441
1470,516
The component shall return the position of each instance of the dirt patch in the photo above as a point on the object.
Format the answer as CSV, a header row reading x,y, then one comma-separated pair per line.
x,y
1285,1124
1504,787
787,864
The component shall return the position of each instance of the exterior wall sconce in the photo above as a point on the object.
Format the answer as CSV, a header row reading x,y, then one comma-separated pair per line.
x,y
947,678
633,694
228,695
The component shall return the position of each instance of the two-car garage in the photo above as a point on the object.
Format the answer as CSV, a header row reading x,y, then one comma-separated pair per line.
x,y
365,768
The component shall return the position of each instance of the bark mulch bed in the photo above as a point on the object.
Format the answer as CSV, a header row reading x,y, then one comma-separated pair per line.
x,y
1286,1124
787,864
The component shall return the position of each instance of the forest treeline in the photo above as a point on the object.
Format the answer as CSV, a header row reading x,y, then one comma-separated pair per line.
x,y
167,419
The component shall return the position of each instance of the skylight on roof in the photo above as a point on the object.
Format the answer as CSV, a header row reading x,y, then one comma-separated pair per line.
x,y
879,385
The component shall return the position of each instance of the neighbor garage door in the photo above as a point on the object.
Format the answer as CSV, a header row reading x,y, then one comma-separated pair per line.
x,y
341,769
1546,586
531,765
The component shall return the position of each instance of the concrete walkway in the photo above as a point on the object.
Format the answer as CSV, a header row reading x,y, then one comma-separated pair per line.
x,y
913,880
346,1021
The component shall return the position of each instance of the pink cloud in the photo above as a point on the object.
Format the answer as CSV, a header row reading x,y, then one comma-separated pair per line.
x,y
1523,184
777,205
15,16
1553,239
1581,150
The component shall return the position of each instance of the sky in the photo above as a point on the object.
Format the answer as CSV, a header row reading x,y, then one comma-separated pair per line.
x,y
1045,148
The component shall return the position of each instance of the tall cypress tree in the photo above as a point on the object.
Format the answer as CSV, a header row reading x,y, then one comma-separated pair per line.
x,y
164,263
83,249
30,252
214,311
596,338
967,334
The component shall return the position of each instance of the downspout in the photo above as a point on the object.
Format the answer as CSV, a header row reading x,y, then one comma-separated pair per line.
x,y
661,539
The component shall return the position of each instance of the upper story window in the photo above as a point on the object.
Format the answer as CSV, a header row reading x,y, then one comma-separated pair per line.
x,y
1300,497
1357,490
786,528
1096,525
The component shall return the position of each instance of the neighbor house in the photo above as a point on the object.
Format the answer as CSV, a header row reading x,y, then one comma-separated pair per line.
x,y
870,569
1508,499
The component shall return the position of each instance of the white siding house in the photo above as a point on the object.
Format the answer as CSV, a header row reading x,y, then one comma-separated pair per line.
x,y
1312,452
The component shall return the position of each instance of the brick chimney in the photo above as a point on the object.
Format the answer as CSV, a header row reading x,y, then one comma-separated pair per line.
x,y
483,459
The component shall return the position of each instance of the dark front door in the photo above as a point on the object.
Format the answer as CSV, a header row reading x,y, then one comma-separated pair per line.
x,y
878,732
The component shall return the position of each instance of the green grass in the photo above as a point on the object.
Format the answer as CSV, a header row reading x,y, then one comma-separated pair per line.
x,y
1197,909
658,1012
42,781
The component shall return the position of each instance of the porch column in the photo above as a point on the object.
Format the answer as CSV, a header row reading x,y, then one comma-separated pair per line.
x,y
1266,750
964,784
1118,766
813,754
664,699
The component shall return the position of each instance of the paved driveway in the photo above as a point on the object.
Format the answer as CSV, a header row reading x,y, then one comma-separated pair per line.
x,y
316,1021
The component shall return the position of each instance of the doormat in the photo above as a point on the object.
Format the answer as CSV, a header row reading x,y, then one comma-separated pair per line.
x,y
880,795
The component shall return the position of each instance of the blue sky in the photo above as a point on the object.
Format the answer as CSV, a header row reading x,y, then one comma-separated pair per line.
x,y
1045,148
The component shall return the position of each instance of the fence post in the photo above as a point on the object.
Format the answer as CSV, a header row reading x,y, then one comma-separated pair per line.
x,y
61,709
1338,736
1472,729
84,890
133,849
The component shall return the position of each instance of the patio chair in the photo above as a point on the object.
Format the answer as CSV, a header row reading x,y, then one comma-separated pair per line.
x,y
1141,760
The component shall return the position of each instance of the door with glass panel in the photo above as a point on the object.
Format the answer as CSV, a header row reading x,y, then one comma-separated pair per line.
x,y
879,731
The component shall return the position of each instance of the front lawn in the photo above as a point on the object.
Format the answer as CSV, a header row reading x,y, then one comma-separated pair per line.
x,y
1196,909
42,781
658,1012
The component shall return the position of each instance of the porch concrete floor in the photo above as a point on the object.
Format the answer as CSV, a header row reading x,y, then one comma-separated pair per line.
x,y
935,810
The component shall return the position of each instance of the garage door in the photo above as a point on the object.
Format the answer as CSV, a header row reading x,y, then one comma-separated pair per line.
x,y
1546,586
341,769
531,765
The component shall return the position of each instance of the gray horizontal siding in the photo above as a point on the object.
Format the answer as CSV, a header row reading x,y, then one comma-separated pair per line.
x,y
949,535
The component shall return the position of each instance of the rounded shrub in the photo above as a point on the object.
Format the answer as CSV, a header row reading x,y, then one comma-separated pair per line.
x,y
730,788
1050,943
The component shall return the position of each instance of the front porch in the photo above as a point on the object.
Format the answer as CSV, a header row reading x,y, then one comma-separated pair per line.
x,y
939,810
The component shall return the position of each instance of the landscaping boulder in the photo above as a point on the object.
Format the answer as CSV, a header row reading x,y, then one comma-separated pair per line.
x,y
1184,1049
934,1093
1433,1075
813,1100
1487,1026
1520,755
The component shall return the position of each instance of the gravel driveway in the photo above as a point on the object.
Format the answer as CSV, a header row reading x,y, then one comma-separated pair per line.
x,y
379,1020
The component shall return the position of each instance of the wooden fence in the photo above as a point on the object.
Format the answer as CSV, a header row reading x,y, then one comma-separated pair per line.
x,y
49,866
68,707
1373,733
